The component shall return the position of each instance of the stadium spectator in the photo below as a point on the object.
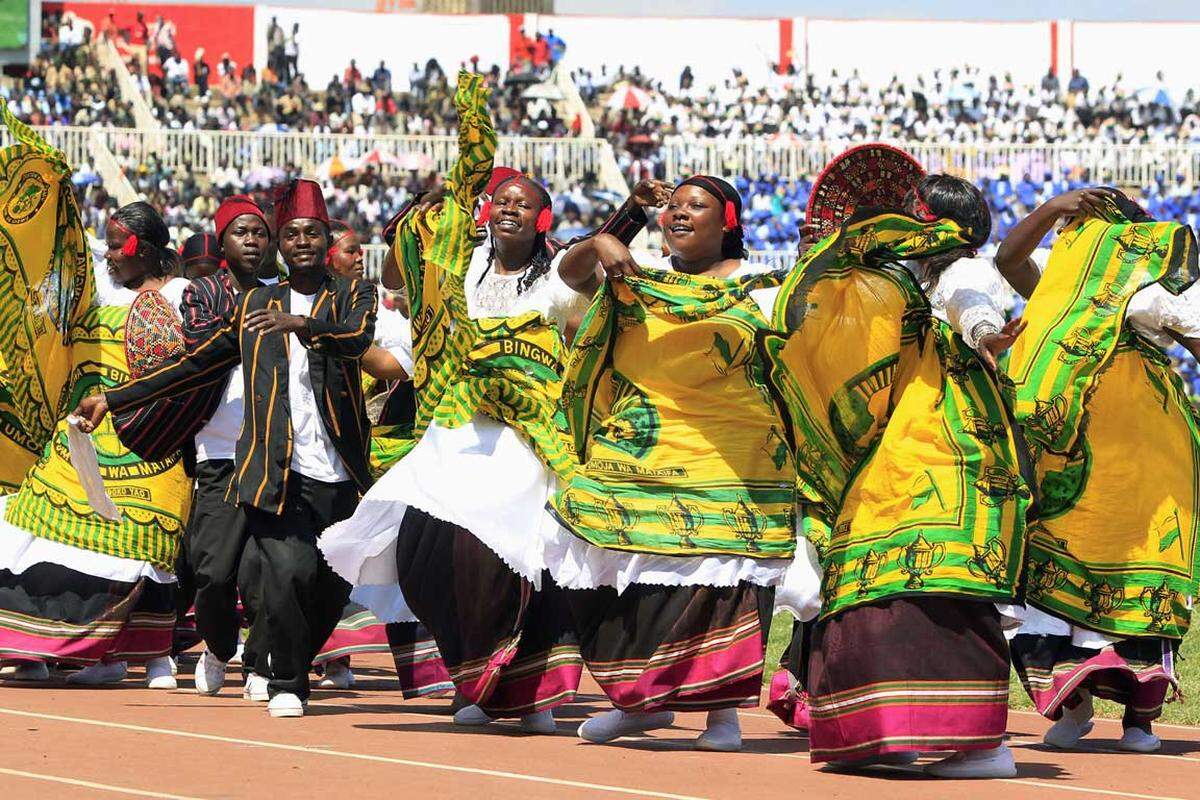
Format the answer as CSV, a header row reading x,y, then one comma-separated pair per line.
x,y
175,74
275,47
163,36
291,54
200,72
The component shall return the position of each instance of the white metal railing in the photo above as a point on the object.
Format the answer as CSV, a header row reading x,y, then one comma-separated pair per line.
x,y
564,161
792,159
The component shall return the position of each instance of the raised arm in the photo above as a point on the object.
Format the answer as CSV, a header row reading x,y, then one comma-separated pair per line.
x,y
1013,258
1189,343
349,337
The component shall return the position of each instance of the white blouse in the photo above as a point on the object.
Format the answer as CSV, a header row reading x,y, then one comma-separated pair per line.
x,y
492,294
970,295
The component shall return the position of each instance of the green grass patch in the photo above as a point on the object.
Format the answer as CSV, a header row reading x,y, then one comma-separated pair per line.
x,y
1188,667
14,24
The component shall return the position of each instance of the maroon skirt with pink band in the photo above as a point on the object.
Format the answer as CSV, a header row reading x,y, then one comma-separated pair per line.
x,y
918,673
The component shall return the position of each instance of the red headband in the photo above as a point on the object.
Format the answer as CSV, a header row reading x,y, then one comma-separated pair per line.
x,y
130,247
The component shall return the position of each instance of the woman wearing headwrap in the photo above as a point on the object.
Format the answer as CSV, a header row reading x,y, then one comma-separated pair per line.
x,y
1111,581
455,522
914,495
680,518
77,588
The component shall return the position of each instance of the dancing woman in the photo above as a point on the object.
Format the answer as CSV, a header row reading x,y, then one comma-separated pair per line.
x,y
915,499
76,588
1110,584
680,518
455,522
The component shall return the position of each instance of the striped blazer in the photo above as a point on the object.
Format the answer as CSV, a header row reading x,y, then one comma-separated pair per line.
x,y
339,331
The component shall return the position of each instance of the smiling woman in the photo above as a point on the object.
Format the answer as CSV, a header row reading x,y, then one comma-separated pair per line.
x,y
688,542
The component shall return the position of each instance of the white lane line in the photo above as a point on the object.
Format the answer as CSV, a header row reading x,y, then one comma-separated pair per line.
x,y
516,776
1085,790
104,787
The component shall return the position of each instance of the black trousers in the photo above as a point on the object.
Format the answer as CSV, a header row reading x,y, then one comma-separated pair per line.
x,y
216,538
300,597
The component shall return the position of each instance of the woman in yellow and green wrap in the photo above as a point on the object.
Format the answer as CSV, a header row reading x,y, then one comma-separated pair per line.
x,y
913,493
77,588
680,518
1111,563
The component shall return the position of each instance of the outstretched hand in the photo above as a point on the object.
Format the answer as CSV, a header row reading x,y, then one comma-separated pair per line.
x,y
991,345
91,412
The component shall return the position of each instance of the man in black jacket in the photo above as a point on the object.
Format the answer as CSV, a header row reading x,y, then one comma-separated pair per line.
x,y
302,452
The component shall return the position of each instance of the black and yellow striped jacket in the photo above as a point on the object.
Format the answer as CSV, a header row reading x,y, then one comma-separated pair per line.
x,y
339,331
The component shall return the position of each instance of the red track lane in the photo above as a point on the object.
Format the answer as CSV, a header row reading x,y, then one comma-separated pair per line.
x,y
128,741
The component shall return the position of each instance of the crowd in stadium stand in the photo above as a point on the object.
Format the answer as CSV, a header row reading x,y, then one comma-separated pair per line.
x,y
959,104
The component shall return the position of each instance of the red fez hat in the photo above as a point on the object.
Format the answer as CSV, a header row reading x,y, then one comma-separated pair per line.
x,y
233,207
300,199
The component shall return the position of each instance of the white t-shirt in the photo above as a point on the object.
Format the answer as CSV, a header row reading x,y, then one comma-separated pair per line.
x,y
218,439
313,453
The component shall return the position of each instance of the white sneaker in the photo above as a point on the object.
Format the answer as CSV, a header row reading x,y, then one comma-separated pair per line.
x,y
617,723
723,733
994,763
256,688
1074,724
1066,733
1136,740
285,704
237,654
210,674
160,674
99,674
28,671
900,759
471,715
540,722
337,675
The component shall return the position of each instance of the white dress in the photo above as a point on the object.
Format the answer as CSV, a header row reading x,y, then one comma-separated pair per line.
x,y
577,564
20,549
482,476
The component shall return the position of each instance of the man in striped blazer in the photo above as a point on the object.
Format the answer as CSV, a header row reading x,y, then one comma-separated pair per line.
x,y
302,452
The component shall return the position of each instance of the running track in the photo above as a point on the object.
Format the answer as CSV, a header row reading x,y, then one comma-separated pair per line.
x,y
128,741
